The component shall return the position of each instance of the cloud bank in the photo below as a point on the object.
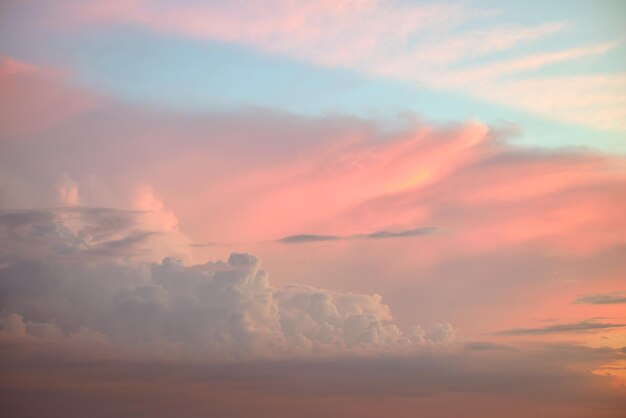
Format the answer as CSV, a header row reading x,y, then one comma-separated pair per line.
x,y
74,273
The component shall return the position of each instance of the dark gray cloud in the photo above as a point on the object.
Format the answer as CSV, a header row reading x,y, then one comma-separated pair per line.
x,y
302,238
401,234
561,328
486,346
601,299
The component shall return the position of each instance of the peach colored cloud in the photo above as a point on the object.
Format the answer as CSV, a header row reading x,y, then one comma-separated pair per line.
x,y
34,99
266,176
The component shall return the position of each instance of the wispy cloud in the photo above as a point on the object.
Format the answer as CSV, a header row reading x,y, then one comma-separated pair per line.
x,y
560,328
601,299
433,44
79,232
302,238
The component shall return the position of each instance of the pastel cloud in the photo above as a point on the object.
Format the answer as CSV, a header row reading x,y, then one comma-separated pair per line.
x,y
104,206
584,326
601,299
301,238
64,281
431,44
245,179
478,380
30,96
465,179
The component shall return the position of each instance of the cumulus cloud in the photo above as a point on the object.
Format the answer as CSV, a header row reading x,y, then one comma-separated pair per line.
x,y
75,271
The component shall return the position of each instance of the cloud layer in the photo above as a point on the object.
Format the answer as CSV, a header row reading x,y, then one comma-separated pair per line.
x,y
105,204
509,219
475,381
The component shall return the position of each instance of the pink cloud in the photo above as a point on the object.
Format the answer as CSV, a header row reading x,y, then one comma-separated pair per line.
x,y
246,179
34,99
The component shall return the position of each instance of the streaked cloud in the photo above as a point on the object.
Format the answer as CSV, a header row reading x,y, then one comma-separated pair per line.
x,y
466,179
601,299
584,326
301,238
517,382
78,232
435,45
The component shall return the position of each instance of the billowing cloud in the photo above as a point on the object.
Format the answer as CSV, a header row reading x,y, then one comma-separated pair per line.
x,y
107,308
74,272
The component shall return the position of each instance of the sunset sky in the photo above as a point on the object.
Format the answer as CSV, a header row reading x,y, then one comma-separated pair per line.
x,y
331,208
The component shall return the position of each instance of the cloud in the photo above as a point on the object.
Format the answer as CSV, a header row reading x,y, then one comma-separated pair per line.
x,y
435,45
465,178
74,232
30,97
400,234
295,239
75,272
541,380
501,209
561,328
301,238
601,299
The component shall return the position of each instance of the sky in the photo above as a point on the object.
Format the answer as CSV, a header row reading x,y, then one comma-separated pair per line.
x,y
291,208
